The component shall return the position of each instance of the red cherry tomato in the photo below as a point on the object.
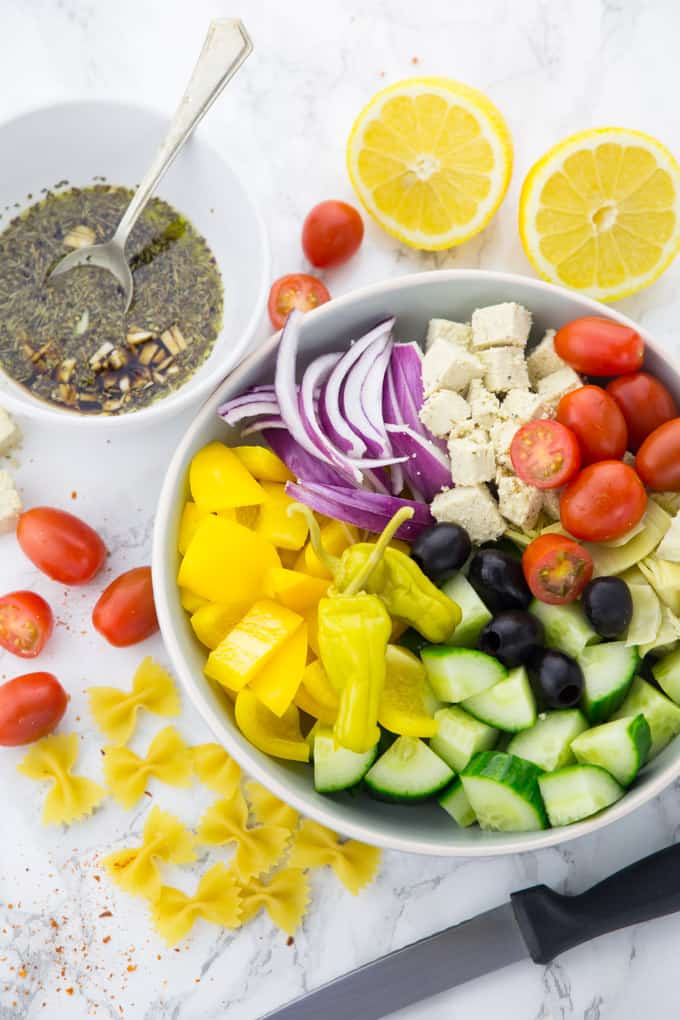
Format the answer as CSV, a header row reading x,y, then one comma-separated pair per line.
x,y
61,545
545,454
596,421
26,623
597,346
31,706
298,290
331,233
125,612
658,459
556,568
645,403
604,502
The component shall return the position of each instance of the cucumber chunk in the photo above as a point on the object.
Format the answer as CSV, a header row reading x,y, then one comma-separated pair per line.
x,y
566,627
608,672
460,736
509,705
335,767
455,803
408,772
621,747
577,791
661,714
667,675
475,613
458,673
503,792
547,743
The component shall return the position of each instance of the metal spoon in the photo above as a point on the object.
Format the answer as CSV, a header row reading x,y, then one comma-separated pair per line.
x,y
226,46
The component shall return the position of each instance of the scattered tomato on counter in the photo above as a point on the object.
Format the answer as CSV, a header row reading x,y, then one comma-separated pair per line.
x,y
658,459
332,233
645,403
597,422
604,502
61,545
125,613
26,623
297,290
545,453
31,706
556,568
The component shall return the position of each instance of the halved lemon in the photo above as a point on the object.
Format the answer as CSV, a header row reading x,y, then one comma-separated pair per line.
x,y
430,160
601,212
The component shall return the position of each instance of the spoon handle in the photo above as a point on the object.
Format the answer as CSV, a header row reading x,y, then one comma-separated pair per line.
x,y
226,46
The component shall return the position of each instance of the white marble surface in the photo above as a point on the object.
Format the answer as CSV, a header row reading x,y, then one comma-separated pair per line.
x,y
553,68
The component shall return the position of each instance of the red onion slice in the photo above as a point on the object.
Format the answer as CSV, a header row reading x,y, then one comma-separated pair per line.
x,y
427,468
369,510
303,465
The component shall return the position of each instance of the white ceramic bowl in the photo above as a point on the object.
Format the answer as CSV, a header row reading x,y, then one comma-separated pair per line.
x,y
413,299
77,142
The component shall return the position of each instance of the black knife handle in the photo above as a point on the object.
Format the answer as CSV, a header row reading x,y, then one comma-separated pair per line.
x,y
552,923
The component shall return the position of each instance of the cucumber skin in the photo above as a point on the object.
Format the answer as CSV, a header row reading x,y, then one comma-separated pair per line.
x,y
454,801
379,793
643,698
548,777
369,760
497,766
602,710
640,737
666,672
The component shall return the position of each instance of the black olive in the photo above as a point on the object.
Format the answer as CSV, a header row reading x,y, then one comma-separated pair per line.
x,y
556,678
441,551
608,605
513,637
499,581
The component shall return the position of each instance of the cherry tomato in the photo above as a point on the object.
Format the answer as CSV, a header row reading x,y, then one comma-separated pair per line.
x,y
597,422
645,403
61,545
298,290
31,706
545,453
331,233
26,623
597,346
125,612
556,568
604,502
658,459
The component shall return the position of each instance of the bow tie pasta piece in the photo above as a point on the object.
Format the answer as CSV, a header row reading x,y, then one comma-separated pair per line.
x,y
258,849
268,809
168,760
217,899
354,863
71,797
165,839
216,769
285,897
115,711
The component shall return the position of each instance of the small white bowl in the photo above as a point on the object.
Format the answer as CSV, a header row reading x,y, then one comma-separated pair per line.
x,y
78,142
452,294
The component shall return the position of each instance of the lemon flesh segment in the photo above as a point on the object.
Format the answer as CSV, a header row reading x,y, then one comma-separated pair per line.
x,y
430,160
600,212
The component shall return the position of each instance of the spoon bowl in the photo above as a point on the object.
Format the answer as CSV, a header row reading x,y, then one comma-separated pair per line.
x,y
108,255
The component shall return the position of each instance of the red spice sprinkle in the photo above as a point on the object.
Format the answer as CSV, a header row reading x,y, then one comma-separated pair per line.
x,y
74,494
131,967
69,991
415,60
290,940
107,938
106,913
22,972
54,923
97,878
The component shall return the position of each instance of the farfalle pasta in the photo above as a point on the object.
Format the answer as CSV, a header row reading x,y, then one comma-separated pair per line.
x,y
168,759
216,769
217,899
268,809
354,863
285,897
71,797
257,849
165,839
115,711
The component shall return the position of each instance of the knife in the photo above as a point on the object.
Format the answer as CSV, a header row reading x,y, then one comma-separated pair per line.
x,y
536,924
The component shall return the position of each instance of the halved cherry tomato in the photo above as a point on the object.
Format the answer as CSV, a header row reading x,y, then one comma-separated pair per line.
x,y
597,346
545,453
645,403
658,459
556,568
31,706
26,623
331,233
596,421
604,502
125,612
297,290
61,545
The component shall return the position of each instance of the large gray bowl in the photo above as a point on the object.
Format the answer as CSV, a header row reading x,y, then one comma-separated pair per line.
x,y
413,299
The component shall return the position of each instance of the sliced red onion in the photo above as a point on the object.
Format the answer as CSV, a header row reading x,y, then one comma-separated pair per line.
x,y
427,468
233,415
392,416
406,369
369,510
304,466
260,424
315,376
363,383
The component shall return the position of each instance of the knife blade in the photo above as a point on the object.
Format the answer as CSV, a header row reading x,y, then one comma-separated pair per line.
x,y
538,924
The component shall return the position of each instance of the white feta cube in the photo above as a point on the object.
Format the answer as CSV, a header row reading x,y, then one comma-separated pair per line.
x,y
554,386
447,366
443,410
9,433
519,503
472,459
543,359
504,325
453,332
10,503
502,435
504,369
484,405
551,503
473,508
523,406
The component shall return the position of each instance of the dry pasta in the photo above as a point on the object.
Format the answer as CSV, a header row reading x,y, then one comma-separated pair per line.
x,y
168,759
217,899
165,839
71,797
354,863
258,848
115,711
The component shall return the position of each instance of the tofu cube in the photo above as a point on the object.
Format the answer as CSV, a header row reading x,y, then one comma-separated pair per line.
x,y
504,369
523,406
447,366
484,405
9,433
453,332
473,508
551,503
505,325
543,360
472,459
443,410
554,386
502,435
10,503
519,503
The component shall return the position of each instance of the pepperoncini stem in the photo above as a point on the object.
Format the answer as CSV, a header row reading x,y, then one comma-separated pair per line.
x,y
330,562
378,551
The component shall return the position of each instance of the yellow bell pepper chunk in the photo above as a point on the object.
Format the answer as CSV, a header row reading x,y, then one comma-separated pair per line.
x,y
191,602
229,514
322,713
311,617
273,522
407,704
293,589
226,562
336,537
251,644
277,682
279,737
316,683
247,515
218,480
192,515
212,622
263,464
289,558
